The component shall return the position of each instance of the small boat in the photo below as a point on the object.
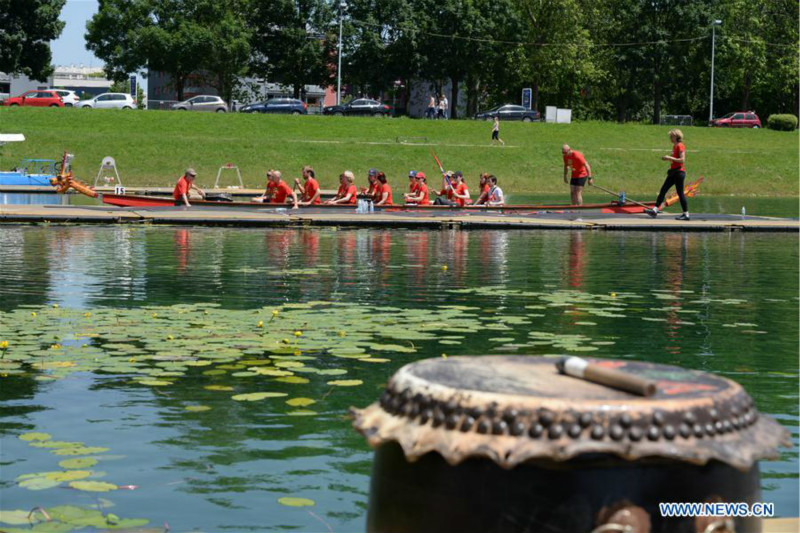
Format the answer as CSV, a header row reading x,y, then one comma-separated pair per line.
x,y
64,181
30,172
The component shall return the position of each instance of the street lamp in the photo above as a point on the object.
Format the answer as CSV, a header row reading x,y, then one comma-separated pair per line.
x,y
342,6
713,44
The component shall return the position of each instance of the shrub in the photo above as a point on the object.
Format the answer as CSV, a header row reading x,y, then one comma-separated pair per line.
x,y
782,122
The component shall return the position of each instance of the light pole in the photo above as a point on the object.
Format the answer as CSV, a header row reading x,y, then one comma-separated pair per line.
x,y
713,44
342,5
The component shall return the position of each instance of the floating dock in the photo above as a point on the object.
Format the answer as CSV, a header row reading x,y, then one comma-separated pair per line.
x,y
305,217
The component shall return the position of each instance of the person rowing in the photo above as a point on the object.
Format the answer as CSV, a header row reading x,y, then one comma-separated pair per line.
x,y
676,175
269,190
347,193
484,185
495,196
282,191
412,182
455,193
372,191
184,185
309,191
421,196
384,190
581,172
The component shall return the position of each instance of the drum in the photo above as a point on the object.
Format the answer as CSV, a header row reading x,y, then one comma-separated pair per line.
x,y
509,444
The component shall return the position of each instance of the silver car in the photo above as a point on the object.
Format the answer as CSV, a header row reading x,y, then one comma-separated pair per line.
x,y
70,98
109,101
202,103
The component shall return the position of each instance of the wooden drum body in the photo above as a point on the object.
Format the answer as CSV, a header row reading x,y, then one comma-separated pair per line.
x,y
507,444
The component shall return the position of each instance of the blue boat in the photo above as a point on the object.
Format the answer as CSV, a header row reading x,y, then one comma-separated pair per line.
x,y
30,172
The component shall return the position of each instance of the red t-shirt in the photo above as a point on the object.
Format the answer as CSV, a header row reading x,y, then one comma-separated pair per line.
x,y
423,188
462,189
413,187
340,193
282,191
352,190
312,186
181,188
677,150
578,164
385,188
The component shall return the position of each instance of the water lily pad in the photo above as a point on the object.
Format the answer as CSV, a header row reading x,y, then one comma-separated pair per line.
x,y
302,412
218,387
93,486
16,517
80,450
35,436
293,379
300,402
197,408
255,396
296,502
346,382
78,462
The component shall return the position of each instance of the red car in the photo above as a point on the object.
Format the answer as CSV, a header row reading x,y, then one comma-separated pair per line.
x,y
739,119
36,98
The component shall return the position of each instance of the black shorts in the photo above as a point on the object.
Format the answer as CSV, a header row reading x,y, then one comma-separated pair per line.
x,y
496,135
578,182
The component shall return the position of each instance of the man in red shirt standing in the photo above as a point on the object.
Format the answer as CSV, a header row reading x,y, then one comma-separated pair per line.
x,y
184,185
581,171
282,190
310,191
676,175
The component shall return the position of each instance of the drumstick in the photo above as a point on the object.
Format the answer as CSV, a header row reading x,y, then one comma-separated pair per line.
x,y
580,368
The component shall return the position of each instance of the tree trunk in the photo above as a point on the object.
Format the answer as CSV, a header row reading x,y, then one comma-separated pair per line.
x,y
452,107
180,81
535,96
748,81
296,90
472,95
657,101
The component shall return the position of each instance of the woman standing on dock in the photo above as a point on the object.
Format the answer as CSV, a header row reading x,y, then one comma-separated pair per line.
x,y
676,175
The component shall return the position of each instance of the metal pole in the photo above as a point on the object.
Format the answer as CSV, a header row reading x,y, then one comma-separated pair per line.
x,y
339,69
713,44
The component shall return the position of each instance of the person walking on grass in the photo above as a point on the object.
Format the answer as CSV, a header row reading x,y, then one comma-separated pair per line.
x,y
676,175
431,111
496,132
443,107
581,172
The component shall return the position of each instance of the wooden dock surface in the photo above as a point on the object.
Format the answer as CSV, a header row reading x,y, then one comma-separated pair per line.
x,y
202,215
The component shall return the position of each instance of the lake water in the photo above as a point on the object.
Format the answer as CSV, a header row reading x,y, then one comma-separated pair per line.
x,y
142,351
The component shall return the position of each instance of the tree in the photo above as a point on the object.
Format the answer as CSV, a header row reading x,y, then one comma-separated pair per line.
x,y
179,37
26,29
290,41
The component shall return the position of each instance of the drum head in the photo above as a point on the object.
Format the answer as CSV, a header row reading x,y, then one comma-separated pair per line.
x,y
513,409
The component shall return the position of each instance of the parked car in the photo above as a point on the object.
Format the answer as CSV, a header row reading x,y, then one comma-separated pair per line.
x,y
360,107
70,98
204,102
278,105
35,98
109,101
510,112
738,119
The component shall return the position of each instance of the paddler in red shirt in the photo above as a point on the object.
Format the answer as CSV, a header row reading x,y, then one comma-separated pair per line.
x,y
384,191
184,185
348,193
676,175
412,182
456,193
581,171
269,191
421,196
374,186
309,192
282,191
484,187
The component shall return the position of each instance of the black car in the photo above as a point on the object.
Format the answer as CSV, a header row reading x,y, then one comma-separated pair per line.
x,y
510,112
278,105
363,107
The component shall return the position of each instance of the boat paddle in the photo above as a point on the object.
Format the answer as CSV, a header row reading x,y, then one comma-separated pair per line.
x,y
621,196
441,169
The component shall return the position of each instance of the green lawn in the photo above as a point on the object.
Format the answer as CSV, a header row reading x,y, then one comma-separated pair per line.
x,y
153,147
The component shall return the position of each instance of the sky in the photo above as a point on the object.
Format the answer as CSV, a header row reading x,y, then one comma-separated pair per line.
x,y
70,48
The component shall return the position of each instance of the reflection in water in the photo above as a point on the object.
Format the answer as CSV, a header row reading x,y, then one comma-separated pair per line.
x,y
226,467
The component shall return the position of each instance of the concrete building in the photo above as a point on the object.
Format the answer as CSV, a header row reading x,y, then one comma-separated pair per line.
x,y
81,79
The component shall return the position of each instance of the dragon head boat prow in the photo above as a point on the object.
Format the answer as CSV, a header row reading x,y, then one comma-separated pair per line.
x,y
65,180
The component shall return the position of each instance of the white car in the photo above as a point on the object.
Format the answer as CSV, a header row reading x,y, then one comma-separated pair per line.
x,y
109,101
70,98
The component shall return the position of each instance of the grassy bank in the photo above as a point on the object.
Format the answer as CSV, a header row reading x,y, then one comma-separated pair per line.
x,y
153,147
